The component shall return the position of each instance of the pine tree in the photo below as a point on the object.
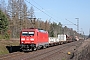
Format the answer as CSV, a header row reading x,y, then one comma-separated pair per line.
x,y
3,26
3,22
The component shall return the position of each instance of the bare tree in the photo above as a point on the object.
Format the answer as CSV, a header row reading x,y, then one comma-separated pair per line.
x,y
31,12
11,12
47,25
31,17
17,11
25,16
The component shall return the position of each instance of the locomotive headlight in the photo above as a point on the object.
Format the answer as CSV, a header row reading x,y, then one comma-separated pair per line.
x,y
22,42
32,39
22,38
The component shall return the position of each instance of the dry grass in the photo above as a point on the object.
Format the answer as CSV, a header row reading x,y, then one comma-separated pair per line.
x,y
4,43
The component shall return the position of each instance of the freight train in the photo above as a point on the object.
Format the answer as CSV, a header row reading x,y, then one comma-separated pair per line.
x,y
33,39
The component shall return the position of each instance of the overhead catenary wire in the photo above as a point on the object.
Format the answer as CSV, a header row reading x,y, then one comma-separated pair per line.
x,y
52,14
41,7
37,4
71,22
42,10
47,11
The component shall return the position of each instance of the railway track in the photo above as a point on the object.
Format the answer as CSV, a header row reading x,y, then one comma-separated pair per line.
x,y
11,55
40,54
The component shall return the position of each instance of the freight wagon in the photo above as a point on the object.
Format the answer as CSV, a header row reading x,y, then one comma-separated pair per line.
x,y
61,39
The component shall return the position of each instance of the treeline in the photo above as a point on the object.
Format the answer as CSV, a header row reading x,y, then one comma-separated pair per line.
x,y
19,16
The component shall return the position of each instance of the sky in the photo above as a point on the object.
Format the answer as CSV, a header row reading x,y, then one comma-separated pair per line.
x,y
64,11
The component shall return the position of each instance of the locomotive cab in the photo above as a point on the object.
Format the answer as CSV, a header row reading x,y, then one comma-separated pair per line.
x,y
27,40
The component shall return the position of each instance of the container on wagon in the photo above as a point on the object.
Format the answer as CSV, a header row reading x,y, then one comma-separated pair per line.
x,y
62,37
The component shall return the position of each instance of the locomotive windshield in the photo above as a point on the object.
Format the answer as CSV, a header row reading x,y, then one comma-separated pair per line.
x,y
27,33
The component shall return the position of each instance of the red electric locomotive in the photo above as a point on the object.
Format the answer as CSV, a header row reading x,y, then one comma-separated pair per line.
x,y
33,39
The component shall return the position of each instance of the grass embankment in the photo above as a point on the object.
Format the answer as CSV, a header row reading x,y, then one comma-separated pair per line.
x,y
4,43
